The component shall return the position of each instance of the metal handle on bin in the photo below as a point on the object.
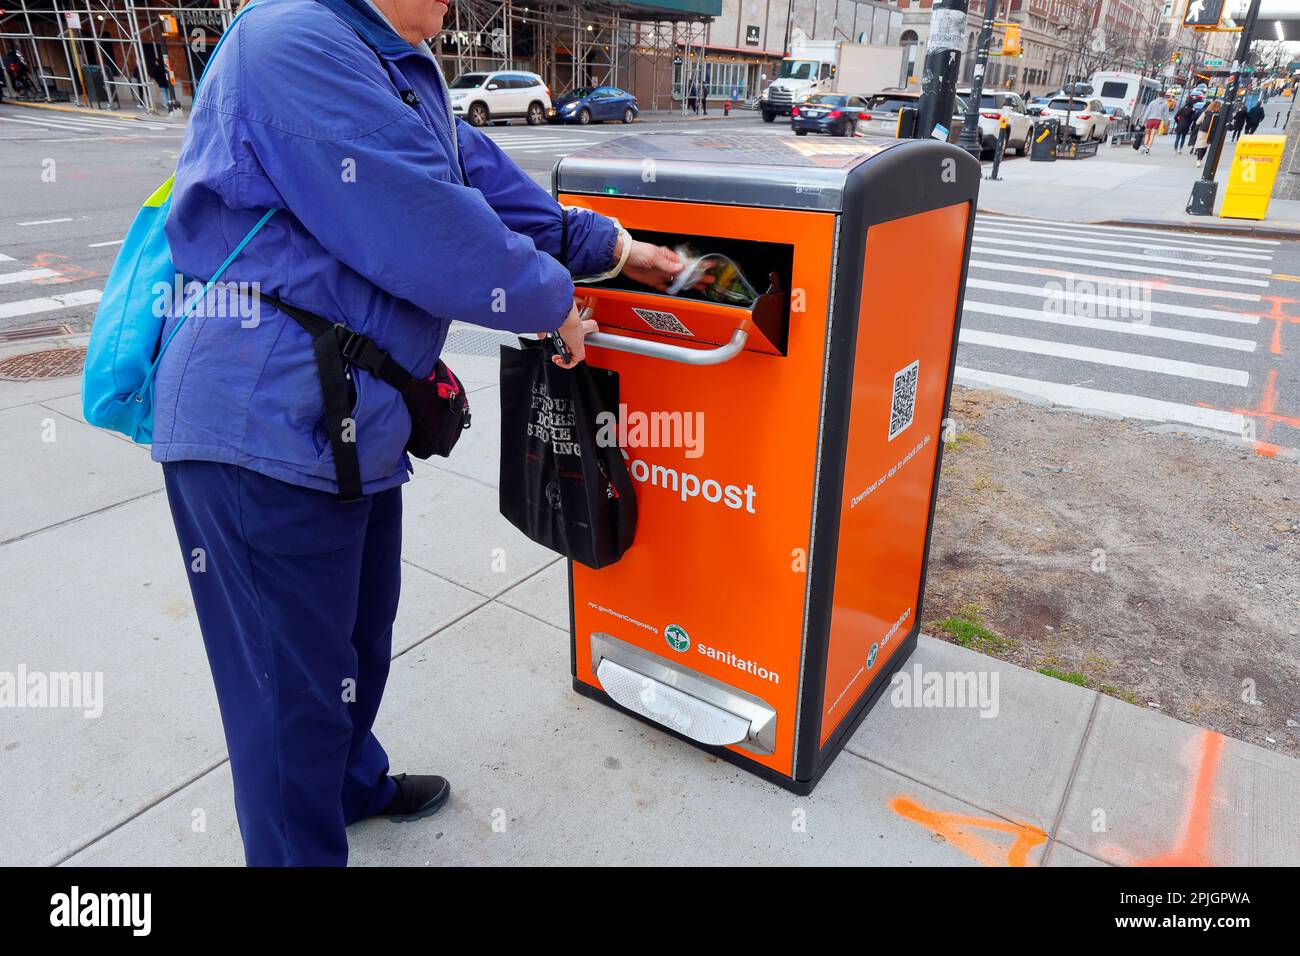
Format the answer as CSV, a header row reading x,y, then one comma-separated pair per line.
x,y
672,353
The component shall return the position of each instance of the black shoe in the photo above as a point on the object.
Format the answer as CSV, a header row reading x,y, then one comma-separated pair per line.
x,y
417,797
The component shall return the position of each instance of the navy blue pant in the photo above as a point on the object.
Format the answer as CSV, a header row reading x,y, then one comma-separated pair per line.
x,y
296,594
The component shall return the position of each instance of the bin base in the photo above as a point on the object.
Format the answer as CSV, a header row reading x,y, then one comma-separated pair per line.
x,y
841,736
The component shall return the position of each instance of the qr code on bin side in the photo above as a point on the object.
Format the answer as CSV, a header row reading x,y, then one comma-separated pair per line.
x,y
662,321
903,407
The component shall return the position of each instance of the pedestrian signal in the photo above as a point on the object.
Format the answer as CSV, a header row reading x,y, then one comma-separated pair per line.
x,y
1203,13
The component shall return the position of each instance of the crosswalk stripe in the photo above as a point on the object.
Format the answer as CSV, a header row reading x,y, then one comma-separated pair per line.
x,y
1085,353
981,229
88,123
1159,286
1122,267
1066,295
1115,403
49,124
1112,325
11,310
1131,256
5,258
26,275
1125,230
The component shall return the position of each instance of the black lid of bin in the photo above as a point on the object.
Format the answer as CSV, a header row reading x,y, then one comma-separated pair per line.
x,y
724,168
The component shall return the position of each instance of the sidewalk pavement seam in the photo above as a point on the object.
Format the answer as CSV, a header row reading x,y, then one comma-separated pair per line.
x,y
195,778
89,514
964,801
40,401
139,812
462,474
80,421
1069,781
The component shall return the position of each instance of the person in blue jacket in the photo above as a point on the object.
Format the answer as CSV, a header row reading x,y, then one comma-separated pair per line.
x,y
395,220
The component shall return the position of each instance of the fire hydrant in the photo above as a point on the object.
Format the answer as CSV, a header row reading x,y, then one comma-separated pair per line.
x,y
726,107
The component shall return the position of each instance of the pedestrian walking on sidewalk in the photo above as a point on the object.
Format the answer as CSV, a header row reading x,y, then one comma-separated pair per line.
x,y
1158,112
692,100
1254,116
162,76
1205,128
1238,122
1182,123
430,222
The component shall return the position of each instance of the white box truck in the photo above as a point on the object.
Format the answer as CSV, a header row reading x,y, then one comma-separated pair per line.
x,y
830,66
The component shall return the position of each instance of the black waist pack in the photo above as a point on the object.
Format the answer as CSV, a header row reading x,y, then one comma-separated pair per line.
x,y
438,405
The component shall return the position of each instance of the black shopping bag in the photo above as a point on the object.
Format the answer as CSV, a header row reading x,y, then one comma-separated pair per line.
x,y
560,486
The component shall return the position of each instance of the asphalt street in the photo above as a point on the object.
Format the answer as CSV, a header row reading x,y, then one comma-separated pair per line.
x,y
1196,330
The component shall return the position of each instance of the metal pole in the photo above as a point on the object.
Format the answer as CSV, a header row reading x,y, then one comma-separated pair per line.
x,y
141,74
36,53
942,60
970,132
1205,189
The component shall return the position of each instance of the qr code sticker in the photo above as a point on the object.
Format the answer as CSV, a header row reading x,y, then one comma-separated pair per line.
x,y
903,406
662,321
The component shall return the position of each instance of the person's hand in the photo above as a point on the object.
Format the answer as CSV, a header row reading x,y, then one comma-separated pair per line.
x,y
655,266
574,332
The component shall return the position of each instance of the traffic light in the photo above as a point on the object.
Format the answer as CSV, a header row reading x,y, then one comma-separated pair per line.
x,y
1011,41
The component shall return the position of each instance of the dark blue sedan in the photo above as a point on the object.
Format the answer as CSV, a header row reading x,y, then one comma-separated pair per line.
x,y
593,104
833,113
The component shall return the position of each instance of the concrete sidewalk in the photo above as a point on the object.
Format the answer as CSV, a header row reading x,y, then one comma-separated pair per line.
x,y
1120,184
1054,775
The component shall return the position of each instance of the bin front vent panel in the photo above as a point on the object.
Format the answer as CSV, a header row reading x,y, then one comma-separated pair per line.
x,y
688,715
693,704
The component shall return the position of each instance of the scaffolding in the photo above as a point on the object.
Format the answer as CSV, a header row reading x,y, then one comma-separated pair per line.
x,y
110,53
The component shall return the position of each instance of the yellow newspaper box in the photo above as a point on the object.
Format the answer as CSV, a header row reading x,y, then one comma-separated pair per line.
x,y
1254,170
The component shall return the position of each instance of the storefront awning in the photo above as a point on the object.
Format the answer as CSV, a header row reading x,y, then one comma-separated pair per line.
x,y
647,8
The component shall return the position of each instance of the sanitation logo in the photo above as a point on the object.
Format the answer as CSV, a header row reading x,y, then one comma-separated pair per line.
x,y
871,658
677,638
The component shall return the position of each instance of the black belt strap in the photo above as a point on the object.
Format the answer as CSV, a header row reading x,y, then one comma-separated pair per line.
x,y
333,343
564,236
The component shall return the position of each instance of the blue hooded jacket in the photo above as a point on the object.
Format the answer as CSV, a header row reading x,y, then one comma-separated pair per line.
x,y
300,110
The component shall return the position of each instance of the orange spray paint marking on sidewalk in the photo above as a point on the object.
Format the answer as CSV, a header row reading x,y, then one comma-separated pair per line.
x,y
1192,845
957,829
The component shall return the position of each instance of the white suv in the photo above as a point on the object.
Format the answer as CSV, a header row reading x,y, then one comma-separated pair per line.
x,y
1088,118
994,104
482,98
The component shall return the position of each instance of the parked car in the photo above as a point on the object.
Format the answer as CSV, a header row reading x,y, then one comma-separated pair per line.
x,y
994,104
594,104
1088,118
833,113
482,98
881,114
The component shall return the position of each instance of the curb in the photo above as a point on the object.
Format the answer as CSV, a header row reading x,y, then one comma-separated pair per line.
x,y
75,109
1174,225
1226,228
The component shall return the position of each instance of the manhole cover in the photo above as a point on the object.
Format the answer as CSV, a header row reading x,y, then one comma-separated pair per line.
x,y
52,363
1177,254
